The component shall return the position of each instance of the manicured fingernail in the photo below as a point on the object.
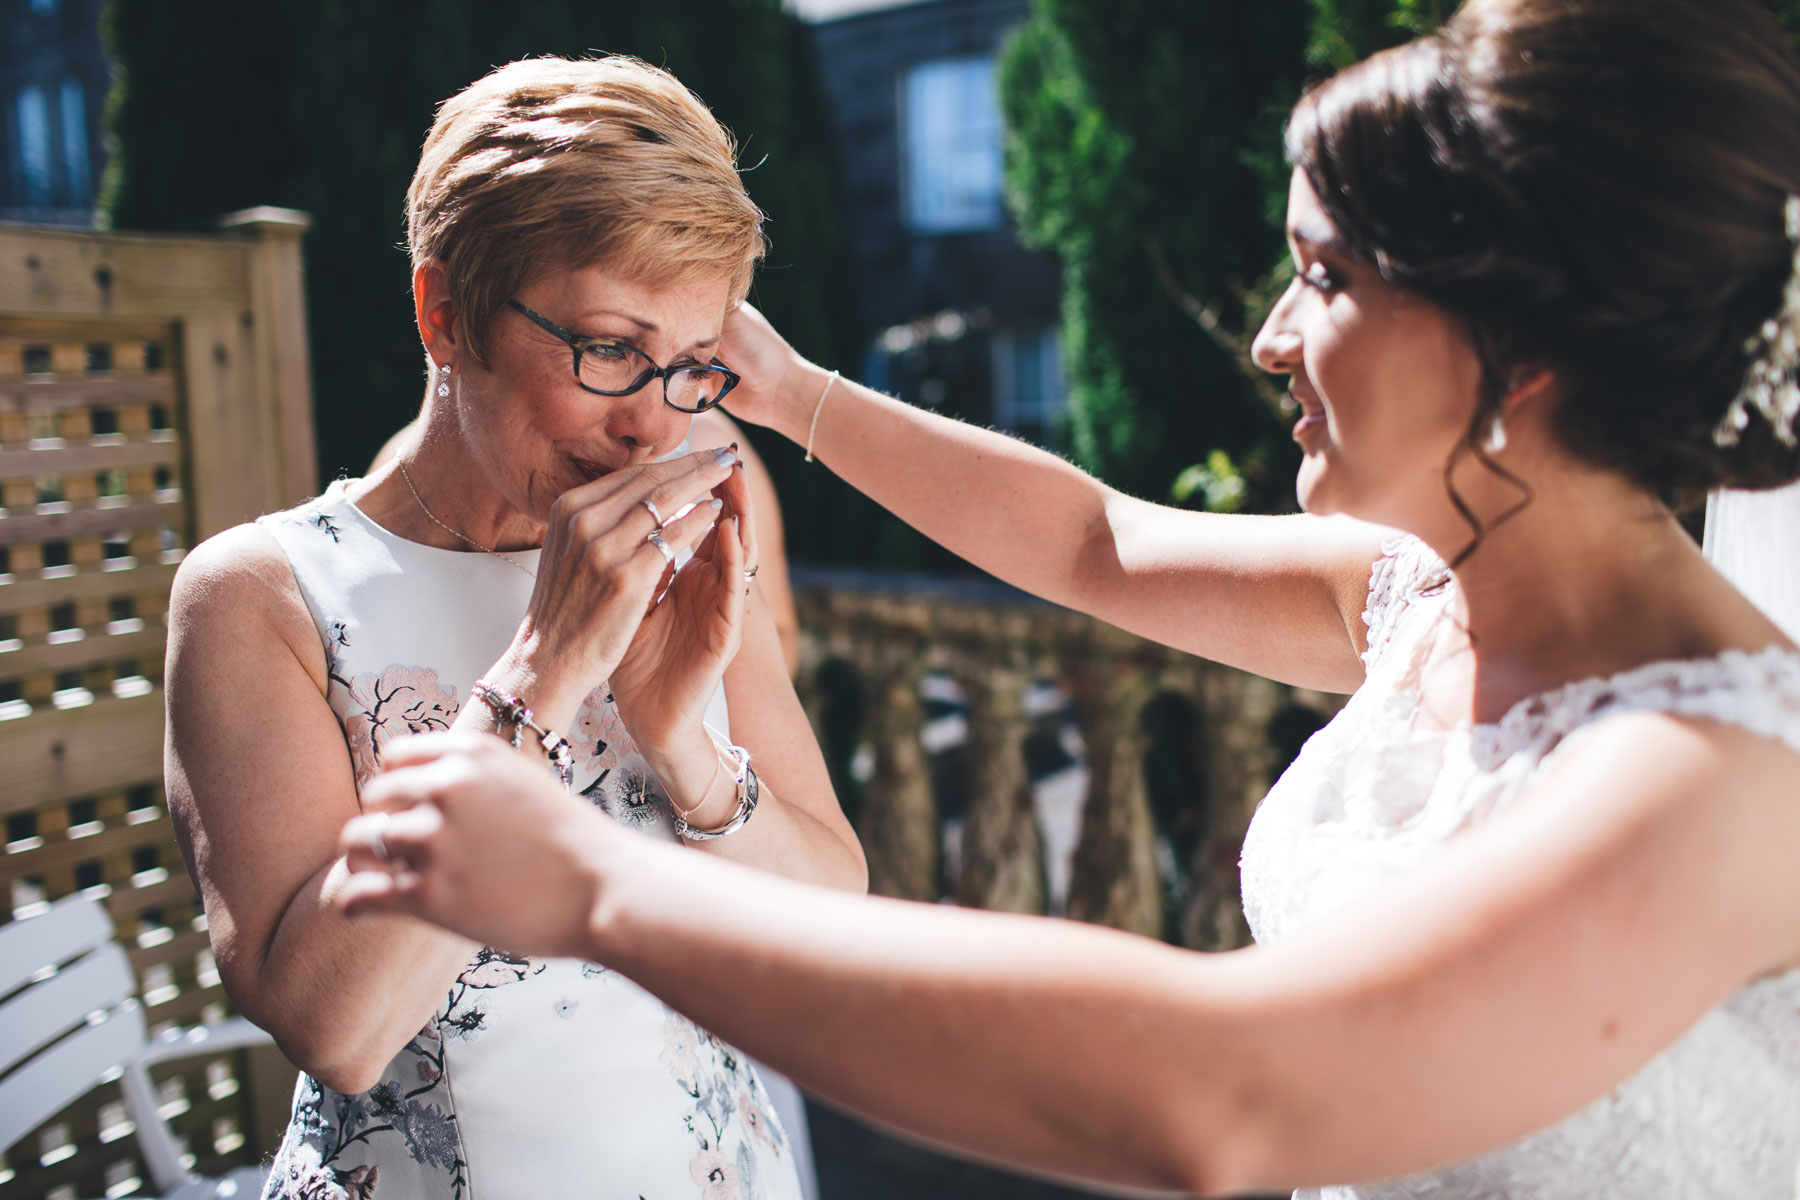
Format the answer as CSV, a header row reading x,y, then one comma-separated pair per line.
x,y
715,504
725,458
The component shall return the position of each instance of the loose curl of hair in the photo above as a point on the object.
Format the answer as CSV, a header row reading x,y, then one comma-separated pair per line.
x,y
1592,186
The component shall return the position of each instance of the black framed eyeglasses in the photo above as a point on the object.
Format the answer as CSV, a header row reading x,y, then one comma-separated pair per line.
x,y
612,368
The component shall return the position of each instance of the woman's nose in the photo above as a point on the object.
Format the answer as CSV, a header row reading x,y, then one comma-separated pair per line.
x,y
644,421
1277,345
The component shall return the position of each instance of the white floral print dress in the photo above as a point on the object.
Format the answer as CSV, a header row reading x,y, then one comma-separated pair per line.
x,y
535,1078
1715,1116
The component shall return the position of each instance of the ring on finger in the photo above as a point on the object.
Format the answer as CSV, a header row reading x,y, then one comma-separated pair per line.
x,y
656,539
655,514
377,841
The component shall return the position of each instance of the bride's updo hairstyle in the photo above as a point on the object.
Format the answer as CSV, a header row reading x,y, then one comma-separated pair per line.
x,y
1596,186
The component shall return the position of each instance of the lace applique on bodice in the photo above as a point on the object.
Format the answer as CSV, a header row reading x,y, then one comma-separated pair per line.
x,y
1717,1114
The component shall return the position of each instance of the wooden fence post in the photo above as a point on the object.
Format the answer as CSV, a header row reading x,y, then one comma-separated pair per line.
x,y
278,291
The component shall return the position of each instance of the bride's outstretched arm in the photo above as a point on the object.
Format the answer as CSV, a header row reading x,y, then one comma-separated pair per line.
x,y
1535,962
1280,596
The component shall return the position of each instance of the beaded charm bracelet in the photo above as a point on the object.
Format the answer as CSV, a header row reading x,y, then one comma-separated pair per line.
x,y
510,710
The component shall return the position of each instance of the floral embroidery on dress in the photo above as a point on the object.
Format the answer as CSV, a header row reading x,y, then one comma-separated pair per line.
x,y
716,1175
491,968
315,1164
465,1013
401,700
599,733
631,797
623,788
421,1116
721,1087
752,1117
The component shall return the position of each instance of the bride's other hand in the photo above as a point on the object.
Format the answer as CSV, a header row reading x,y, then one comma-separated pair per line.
x,y
461,831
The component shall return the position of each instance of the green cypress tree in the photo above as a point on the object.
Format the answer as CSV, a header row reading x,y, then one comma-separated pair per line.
x,y
1139,134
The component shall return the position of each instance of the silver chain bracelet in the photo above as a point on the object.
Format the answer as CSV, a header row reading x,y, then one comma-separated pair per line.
x,y
747,791
510,710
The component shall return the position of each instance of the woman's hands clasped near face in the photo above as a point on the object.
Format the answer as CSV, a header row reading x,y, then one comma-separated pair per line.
x,y
600,574
689,636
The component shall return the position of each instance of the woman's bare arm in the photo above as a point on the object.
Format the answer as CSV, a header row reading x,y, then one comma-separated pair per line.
x,y
1530,965
1280,596
259,783
799,830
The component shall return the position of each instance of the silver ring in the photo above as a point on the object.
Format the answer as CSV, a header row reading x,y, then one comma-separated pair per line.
x,y
654,514
377,843
750,572
656,539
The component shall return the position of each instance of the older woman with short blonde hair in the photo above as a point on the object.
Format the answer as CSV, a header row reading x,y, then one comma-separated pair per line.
x,y
539,563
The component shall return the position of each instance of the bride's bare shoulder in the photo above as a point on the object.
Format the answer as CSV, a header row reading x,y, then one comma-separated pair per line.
x,y
1706,795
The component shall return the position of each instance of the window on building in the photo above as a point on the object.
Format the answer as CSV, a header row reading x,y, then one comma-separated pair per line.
x,y
950,131
31,112
1028,385
78,179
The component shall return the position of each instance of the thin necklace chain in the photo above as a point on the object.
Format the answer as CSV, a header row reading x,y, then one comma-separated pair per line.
x,y
426,509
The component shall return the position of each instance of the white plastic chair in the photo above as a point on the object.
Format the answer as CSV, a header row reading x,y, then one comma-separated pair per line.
x,y
68,1019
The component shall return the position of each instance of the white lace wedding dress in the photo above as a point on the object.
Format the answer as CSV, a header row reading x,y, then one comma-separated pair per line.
x,y
1716,1114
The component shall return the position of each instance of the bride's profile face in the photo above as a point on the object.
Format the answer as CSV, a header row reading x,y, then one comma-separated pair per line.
x,y
1385,381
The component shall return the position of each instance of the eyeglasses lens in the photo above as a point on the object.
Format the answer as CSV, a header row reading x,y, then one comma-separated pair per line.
x,y
607,367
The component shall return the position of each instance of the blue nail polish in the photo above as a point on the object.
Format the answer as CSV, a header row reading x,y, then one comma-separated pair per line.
x,y
725,458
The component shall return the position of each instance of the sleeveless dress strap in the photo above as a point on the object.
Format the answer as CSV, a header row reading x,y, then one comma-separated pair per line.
x,y
1406,568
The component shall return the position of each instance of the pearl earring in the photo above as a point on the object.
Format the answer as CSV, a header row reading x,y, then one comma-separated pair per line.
x,y
443,387
1495,441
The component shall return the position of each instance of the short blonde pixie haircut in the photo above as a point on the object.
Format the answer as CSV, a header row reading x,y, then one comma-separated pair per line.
x,y
554,162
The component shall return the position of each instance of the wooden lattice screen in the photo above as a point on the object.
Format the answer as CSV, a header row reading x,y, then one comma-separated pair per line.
x,y
152,392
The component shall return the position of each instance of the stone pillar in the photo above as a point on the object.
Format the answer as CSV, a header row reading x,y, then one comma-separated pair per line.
x,y
1114,880
1002,854
899,827
1239,757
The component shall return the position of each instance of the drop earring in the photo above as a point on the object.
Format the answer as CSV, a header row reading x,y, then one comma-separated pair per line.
x,y
1495,440
443,387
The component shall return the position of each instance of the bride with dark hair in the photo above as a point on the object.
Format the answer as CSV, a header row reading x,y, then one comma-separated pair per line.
x,y
1527,908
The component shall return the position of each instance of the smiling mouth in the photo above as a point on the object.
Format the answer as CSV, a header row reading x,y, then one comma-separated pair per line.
x,y
1312,413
